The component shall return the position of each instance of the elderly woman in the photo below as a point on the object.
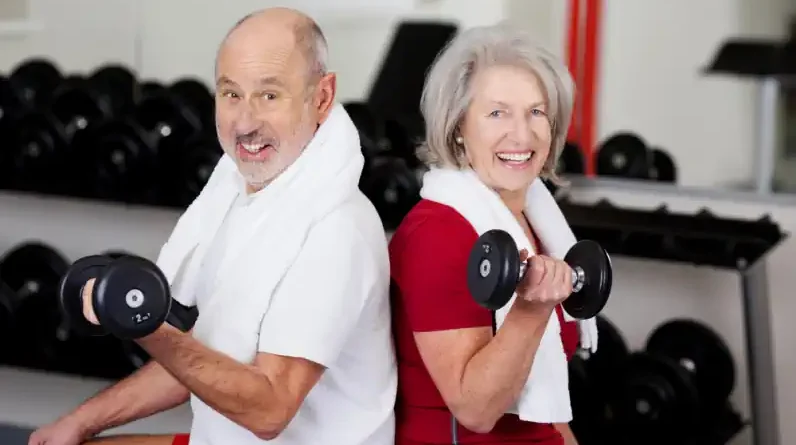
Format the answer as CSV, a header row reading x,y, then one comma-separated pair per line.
x,y
497,108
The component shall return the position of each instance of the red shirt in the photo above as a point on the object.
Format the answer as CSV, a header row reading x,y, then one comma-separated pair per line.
x,y
428,260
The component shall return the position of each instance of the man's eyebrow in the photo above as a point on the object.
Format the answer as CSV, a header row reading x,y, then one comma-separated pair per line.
x,y
224,80
271,80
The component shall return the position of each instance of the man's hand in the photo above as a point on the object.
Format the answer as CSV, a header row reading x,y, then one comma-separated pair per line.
x,y
88,302
64,431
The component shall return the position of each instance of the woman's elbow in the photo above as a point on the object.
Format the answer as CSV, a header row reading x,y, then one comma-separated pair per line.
x,y
475,420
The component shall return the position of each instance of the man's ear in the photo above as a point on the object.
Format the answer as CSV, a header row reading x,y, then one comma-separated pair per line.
x,y
324,95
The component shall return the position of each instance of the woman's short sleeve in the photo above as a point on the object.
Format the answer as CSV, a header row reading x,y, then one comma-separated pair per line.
x,y
429,267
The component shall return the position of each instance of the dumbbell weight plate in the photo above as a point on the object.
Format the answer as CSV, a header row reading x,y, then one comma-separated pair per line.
x,y
392,187
612,352
624,155
493,269
37,140
132,298
598,274
662,166
76,106
118,85
70,291
701,352
571,160
31,266
657,403
198,96
35,79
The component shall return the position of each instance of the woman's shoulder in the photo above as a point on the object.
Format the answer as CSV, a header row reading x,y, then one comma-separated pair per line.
x,y
432,223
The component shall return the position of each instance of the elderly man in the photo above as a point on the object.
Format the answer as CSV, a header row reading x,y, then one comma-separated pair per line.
x,y
286,261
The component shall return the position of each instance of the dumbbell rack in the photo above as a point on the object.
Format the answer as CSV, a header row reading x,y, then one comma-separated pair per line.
x,y
700,239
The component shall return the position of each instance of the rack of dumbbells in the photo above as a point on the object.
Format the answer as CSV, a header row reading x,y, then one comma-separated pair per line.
x,y
105,135
677,389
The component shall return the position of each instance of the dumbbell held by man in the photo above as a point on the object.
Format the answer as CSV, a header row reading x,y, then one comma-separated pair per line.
x,y
127,297
494,269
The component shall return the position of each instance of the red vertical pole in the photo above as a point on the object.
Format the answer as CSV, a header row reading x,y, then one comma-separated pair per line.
x,y
589,87
573,59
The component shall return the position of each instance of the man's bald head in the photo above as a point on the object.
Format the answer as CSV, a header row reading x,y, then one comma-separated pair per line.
x,y
307,36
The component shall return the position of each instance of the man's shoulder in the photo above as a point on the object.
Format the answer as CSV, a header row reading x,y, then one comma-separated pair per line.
x,y
354,222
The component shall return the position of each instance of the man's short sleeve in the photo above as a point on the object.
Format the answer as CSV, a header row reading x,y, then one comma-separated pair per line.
x,y
429,266
318,303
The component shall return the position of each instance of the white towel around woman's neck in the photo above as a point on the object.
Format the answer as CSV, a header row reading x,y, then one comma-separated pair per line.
x,y
545,397
324,176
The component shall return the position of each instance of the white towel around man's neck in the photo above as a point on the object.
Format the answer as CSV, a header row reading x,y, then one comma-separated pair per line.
x,y
281,215
545,397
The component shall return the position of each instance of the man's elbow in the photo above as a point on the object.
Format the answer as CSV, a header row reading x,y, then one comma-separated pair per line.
x,y
269,425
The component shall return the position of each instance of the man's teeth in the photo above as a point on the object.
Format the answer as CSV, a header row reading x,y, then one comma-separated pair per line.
x,y
253,148
516,157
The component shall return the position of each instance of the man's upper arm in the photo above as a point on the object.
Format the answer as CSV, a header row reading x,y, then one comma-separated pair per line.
x,y
318,303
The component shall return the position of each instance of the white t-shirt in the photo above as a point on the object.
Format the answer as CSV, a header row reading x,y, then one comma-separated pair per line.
x,y
332,307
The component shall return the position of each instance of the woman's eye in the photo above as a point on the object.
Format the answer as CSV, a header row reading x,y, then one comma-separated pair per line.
x,y
496,113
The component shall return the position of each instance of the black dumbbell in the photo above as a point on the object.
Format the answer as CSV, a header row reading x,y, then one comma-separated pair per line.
x,y
188,172
131,297
624,155
35,80
679,384
571,159
494,269
122,158
392,186
662,167
29,273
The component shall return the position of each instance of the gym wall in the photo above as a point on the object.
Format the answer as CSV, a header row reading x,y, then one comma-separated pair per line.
x,y
650,82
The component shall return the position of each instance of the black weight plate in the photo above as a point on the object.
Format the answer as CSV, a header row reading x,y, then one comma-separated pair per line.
x,y
662,166
35,79
571,159
657,403
118,86
624,155
493,269
31,266
167,118
132,298
70,290
37,140
10,102
596,265
612,352
702,352
590,414
122,159
198,96
392,187
370,128
76,107
193,170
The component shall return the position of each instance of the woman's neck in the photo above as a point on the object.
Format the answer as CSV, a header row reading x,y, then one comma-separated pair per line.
x,y
514,200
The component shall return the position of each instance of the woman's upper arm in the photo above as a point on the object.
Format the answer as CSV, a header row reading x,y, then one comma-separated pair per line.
x,y
449,326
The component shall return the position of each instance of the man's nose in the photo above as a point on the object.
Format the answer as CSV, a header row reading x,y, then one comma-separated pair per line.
x,y
246,123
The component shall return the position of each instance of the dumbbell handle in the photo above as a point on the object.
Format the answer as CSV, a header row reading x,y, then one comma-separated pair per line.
x,y
578,276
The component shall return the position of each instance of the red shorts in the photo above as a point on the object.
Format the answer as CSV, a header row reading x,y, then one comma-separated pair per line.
x,y
181,439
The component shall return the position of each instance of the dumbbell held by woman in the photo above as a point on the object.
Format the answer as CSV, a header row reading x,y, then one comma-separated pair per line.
x,y
494,269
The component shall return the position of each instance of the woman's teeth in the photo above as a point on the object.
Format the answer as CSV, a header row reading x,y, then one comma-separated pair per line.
x,y
515,157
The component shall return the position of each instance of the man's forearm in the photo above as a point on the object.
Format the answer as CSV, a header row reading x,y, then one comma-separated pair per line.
x,y
148,391
495,376
240,392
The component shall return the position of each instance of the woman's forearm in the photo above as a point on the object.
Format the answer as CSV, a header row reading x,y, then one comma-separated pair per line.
x,y
495,376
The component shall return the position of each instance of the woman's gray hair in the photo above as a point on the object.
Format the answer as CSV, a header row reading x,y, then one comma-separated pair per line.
x,y
447,95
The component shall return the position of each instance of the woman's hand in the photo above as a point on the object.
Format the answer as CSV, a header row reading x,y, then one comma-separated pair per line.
x,y
547,281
